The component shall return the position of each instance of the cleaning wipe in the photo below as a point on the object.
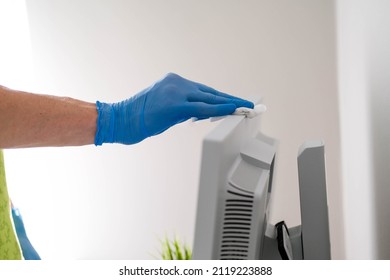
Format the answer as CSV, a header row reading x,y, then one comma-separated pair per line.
x,y
251,113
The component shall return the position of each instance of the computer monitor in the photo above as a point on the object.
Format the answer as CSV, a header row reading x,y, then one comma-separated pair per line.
x,y
235,186
234,192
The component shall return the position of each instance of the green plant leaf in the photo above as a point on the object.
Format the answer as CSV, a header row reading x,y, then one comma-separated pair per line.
x,y
175,250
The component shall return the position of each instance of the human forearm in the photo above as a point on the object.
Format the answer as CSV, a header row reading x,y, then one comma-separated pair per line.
x,y
32,120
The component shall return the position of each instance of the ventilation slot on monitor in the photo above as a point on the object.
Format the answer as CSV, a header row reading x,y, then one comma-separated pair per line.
x,y
236,224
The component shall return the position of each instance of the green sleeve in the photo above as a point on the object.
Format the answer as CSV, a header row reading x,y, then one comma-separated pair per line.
x,y
9,245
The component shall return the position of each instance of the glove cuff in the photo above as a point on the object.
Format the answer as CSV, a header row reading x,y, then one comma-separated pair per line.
x,y
105,123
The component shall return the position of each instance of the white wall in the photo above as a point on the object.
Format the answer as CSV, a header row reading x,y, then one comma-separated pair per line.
x,y
15,46
364,79
115,202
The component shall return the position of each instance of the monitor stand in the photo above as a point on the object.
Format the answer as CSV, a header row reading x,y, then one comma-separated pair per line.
x,y
310,240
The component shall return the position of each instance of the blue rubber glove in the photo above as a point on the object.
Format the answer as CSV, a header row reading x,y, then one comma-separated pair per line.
x,y
28,250
169,101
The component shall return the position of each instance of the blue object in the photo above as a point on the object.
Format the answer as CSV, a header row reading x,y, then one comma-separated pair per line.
x,y
169,101
29,253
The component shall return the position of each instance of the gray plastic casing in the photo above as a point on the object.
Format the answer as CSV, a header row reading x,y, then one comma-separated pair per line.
x,y
314,202
234,191
236,173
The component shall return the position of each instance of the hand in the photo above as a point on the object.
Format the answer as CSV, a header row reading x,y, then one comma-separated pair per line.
x,y
18,223
29,252
169,101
